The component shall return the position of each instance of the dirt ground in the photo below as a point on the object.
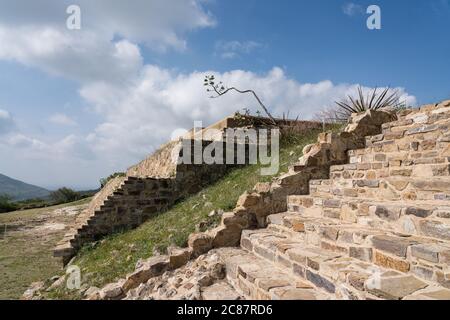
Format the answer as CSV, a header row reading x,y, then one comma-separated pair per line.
x,y
26,242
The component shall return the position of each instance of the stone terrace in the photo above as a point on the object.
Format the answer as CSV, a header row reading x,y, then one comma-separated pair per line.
x,y
378,228
364,214
156,183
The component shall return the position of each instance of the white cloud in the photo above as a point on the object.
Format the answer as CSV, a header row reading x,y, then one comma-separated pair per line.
x,y
352,9
23,142
62,119
104,53
160,24
69,147
139,105
143,115
6,122
83,57
233,49
66,162
106,46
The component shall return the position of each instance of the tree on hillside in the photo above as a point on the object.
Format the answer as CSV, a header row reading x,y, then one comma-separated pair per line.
x,y
219,90
64,195
6,204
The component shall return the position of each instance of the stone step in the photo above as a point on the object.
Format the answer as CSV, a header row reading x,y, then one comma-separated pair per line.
x,y
391,168
423,218
63,250
424,115
427,140
390,188
426,258
333,272
360,242
415,128
220,291
428,177
411,156
253,278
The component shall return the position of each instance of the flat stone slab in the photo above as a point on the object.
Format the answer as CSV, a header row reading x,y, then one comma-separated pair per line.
x,y
220,291
394,288
438,294
295,294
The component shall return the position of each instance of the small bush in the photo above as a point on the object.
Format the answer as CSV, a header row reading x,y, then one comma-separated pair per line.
x,y
6,204
64,195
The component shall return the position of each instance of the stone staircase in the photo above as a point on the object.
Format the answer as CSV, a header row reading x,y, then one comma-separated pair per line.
x,y
378,228
165,177
123,203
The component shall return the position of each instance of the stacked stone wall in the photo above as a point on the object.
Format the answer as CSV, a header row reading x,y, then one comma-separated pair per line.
x,y
365,216
127,202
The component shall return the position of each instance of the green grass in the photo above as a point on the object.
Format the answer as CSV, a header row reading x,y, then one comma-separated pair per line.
x,y
115,256
26,257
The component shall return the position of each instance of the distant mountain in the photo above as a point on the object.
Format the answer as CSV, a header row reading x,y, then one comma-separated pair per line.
x,y
19,190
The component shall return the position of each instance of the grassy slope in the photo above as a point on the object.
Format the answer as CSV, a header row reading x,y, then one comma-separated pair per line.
x,y
25,258
117,255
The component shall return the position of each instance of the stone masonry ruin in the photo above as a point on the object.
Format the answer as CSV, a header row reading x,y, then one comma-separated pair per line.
x,y
364,214
158,182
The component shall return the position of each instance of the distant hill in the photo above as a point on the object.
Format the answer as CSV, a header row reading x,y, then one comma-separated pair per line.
x,y
19,190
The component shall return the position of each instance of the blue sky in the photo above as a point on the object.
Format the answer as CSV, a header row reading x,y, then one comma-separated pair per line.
x,y
78,105
315,40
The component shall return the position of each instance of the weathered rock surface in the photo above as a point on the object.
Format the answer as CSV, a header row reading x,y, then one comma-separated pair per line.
x,y
363,215
200,279
155,184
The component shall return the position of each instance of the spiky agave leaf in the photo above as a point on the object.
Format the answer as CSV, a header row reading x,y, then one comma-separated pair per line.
x,y
372,101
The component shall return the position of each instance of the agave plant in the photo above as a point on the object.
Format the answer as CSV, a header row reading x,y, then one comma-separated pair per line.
x,y
387,99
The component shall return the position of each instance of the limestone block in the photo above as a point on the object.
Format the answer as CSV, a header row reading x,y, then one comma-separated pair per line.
x,y
307,149
178,257
390,262
320,281
430,294
418,212
428,252
146,270
112,291
396,287
220,291
361,253
93,293
200,243
248,200
226,236
384,212
293,294
262,187
435,229
394,245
